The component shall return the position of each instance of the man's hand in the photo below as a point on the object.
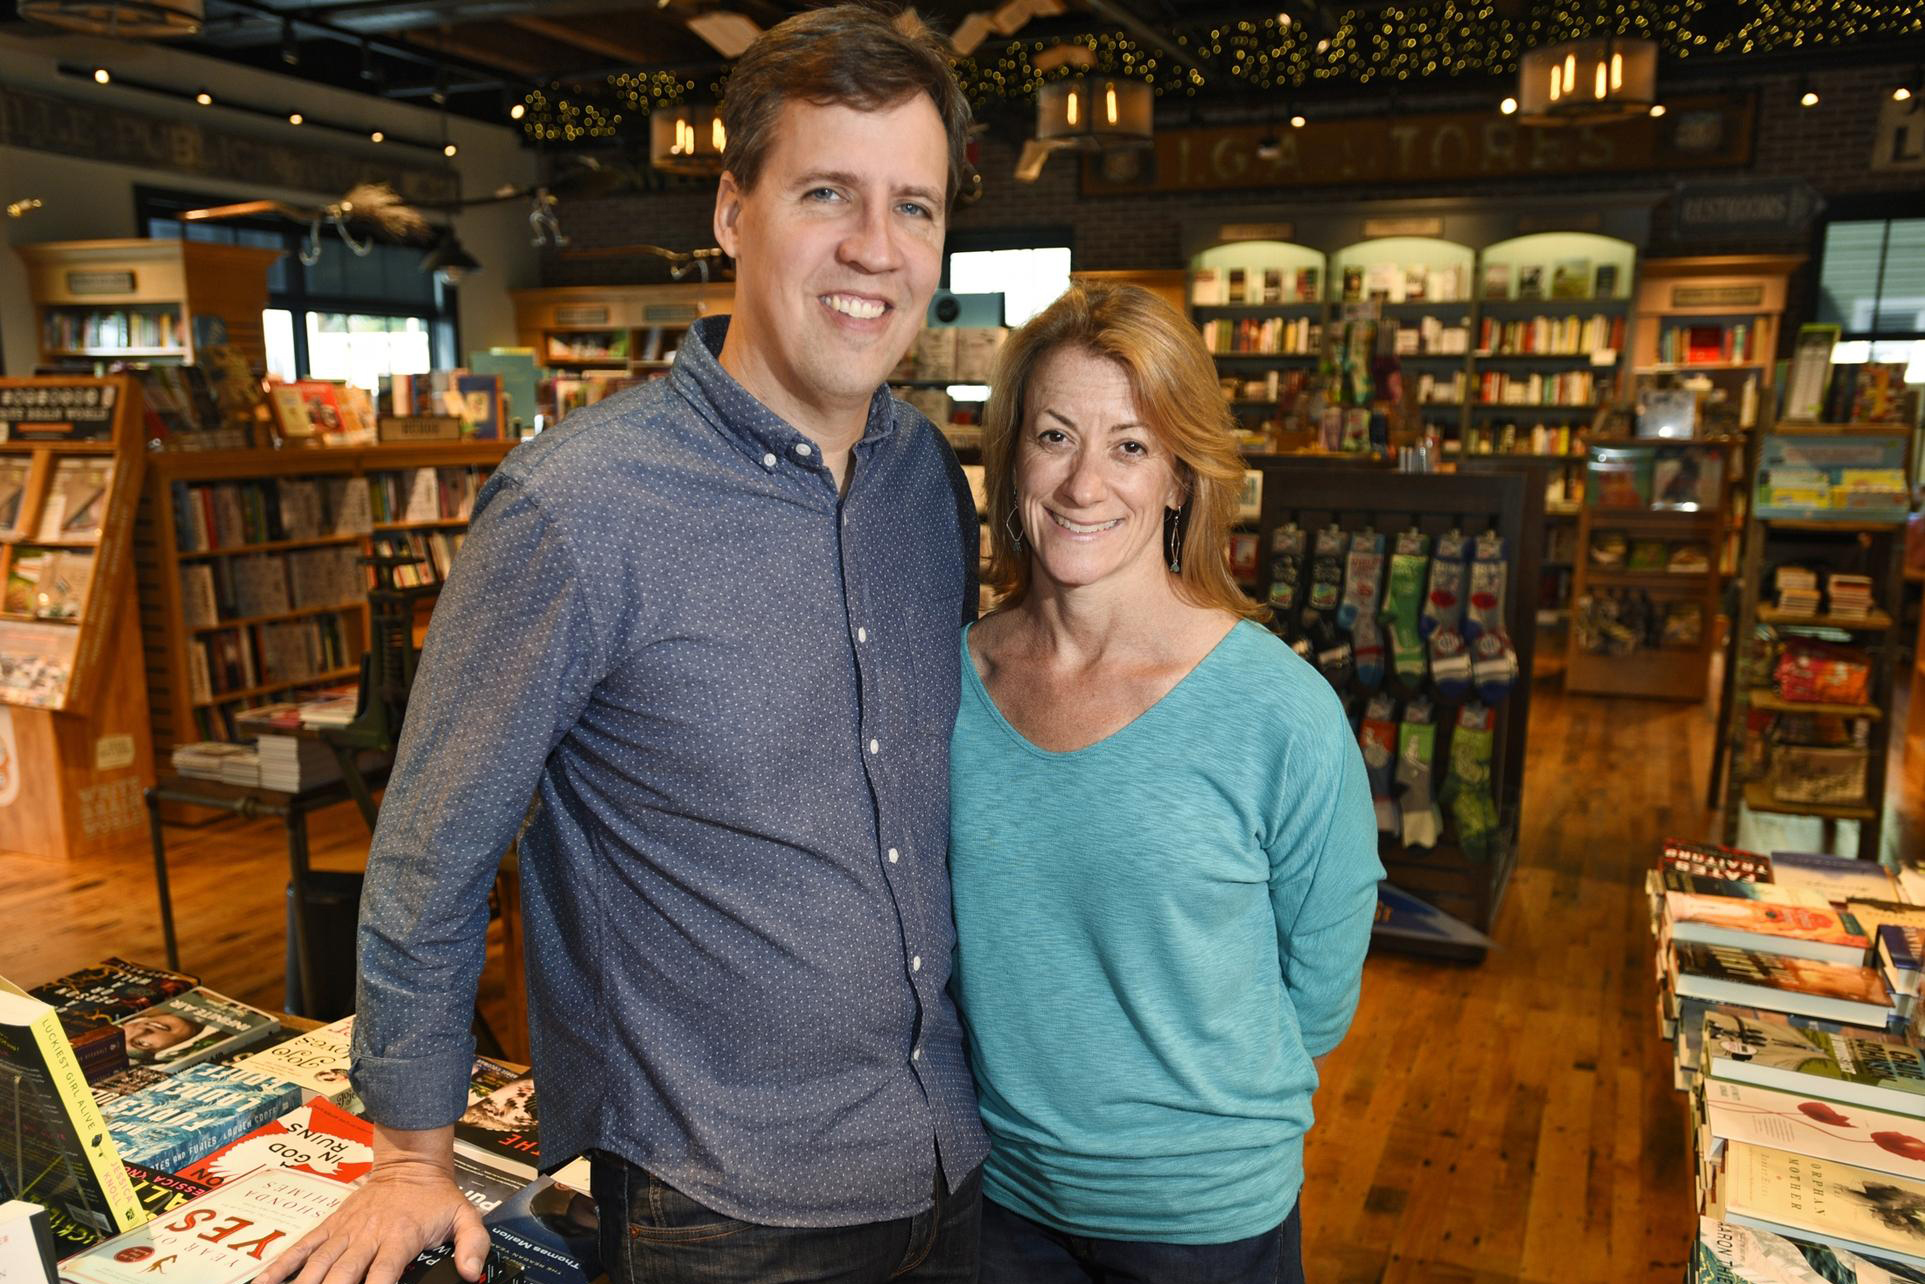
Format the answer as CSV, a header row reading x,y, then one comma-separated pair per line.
x,y
408,1203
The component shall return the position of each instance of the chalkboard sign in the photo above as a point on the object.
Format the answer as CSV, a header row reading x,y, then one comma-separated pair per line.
x,y
57,412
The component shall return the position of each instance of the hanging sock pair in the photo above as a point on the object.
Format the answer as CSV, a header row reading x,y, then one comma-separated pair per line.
x,y
1403,600
1450,662
1416,748
1493,658
1467,786
1330,650
1357,612
1377,737
1287,544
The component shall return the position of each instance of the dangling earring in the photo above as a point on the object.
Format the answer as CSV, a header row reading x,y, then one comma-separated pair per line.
x,y
1173,537
1013,524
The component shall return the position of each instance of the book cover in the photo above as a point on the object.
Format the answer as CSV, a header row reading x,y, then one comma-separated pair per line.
x,y
224,1237
198,1110
1863,1068
1728,1254
193,1027
317,1060
56,1148
1530,281
1801,931
162,1192
97,996
1872,914
486,1186
76,501
1839,1204
1716,861
126,1083
1811,1125
1675,878
503,1128
14,472
1571,279
1497,280
1839,878
26,1243
481,405
549,1228
316,1138
1777,982
1604,285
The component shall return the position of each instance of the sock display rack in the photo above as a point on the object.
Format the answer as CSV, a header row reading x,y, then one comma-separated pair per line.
x,y
1415,595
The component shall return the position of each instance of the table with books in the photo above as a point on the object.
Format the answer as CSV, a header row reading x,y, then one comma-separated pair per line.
x,y
153,1113
1788,986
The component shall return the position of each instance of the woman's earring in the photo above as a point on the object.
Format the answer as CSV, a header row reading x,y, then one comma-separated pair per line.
x,y
1013,524
1173,538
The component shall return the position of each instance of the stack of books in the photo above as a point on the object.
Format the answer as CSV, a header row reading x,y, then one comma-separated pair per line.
x,y
1849,594
1797,590
1780,984
208,759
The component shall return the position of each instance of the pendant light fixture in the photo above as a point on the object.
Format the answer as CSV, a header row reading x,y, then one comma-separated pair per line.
x,y
1091,112
687,139
1588,82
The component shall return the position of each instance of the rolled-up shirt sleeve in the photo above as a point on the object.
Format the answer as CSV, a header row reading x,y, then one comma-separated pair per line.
x,y
1324,883
511,658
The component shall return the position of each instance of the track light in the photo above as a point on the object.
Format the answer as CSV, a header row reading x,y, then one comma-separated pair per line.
x,y
290,47
449,150
1901,94
1508,106
376,136
367,59
1298,120
294,118
102,75
204,98
1657,109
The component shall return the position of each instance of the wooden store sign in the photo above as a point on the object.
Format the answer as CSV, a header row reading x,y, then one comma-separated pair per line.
x,y
1705,133
101,132
57,412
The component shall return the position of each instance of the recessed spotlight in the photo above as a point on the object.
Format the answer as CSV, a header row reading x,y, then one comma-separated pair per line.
x,y
1508,106
1808,99
1901,94
517,111
1297,121
101,76
204,98
449,150
1657,109
294,118
376,136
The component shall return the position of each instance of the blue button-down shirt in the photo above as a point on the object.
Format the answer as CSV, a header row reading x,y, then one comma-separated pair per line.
x,y
732,689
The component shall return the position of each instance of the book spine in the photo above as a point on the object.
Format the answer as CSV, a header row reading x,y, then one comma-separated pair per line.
x,y
90,1128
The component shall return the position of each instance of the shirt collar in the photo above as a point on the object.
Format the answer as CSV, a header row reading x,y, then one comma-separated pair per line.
x,y
749,425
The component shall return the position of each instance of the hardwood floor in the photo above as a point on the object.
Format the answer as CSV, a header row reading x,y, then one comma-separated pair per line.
x,y
1511,1121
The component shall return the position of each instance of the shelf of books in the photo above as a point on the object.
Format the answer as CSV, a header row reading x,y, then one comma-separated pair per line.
x,y
146,1109
73,748
251,583
146,300
1645,596
1815,658
1787,986
593,341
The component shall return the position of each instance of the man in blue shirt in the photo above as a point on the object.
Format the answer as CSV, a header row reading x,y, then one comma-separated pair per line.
x,y
711,625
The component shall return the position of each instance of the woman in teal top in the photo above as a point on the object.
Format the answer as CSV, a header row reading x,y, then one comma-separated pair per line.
x,y
1162,845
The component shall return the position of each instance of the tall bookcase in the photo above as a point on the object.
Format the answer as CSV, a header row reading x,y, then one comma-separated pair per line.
x,y
635,328
229,521
73,744
146,300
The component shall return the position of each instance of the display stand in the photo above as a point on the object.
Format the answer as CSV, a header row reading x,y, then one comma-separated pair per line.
x,y
1647,627
1767,768
1313,497
249,492
73,709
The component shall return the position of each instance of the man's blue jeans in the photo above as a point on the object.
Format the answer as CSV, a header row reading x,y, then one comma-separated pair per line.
x,y
1017,1250
652,1233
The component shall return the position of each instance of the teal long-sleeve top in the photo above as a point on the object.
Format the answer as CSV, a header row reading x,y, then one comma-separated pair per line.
x,y
1155,935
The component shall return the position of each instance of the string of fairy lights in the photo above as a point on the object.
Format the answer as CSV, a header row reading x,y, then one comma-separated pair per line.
x,y
1398,43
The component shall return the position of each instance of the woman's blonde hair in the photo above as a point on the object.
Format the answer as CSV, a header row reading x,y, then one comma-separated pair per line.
x,y
1174,383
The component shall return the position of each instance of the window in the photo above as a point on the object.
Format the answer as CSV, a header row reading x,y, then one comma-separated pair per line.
x,y
346,316
1871,284
1028,279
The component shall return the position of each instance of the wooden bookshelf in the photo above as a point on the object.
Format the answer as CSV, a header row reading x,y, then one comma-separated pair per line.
x,y
73,710
184,710
146,300
587,326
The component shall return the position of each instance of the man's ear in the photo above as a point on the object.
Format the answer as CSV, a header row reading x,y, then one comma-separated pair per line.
x,y
728,213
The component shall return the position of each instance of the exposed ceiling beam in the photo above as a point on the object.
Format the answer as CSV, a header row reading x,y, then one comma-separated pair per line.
x,y
442,42
581,37
393,48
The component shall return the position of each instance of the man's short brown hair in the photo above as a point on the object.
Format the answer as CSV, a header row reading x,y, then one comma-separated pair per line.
x,y
854,55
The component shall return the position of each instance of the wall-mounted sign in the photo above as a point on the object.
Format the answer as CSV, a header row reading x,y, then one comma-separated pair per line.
x,y
670,313
1376,227
581,314
1899,142
1230,232
56,412
1698,133
100,282
1575,221
1724,209
1717,296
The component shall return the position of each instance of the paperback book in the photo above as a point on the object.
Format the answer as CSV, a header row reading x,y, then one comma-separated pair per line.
x,y
503,1128
55,1149
315,1138
1715,861
1677,879
1863,1069
1842,1205
196,1111
317,1060
549,1228
1809,1125
224,1237
199,1025
1798,931
1755,979
1839,878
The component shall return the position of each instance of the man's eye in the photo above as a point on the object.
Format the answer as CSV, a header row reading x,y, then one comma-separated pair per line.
x,y
915,209
823,194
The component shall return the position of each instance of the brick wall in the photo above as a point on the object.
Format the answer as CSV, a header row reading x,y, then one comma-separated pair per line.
x,y
1828,145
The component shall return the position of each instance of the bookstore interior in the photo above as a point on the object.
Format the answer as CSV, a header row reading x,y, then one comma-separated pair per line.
x,y
1576,356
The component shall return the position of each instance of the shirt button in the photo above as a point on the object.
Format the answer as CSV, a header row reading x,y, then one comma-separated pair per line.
x,y
915,964
802,449
915,1054
862,635
875,747
894,855
768,461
